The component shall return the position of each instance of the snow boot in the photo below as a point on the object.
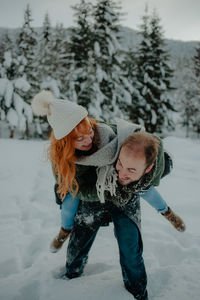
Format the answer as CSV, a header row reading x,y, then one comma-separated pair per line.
x,y
175,220
59,240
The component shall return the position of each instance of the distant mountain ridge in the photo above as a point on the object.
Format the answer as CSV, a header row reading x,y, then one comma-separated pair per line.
x,y
176,48
130,39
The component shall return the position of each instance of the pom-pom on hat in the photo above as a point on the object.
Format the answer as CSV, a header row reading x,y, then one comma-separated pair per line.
x,y
62,115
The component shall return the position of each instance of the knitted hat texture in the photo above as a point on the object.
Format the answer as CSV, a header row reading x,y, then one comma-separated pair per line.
x,y
62,115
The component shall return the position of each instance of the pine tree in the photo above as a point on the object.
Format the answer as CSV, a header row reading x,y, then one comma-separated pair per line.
x,y
196,116
48,57
130,72
6,44
60,59
154,74
190,104
13,109
27,42
196,60
45,62
27,62
6,99
79,50
104,21
113,86
96,78
8,58
142,57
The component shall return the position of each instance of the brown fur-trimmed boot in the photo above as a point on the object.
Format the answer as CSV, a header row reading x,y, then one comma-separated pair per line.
x,y
59,240
175,220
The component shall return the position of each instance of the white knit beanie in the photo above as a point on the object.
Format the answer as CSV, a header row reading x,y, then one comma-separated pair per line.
x,y
62,115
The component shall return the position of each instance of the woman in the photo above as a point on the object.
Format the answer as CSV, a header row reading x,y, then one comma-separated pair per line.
x,y
74,139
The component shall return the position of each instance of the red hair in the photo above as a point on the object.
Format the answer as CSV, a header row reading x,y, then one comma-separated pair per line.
x,y
62,156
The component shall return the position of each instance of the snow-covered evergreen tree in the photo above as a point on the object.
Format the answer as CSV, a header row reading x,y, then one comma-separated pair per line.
x,y
48,57
27,42
8,58
154,74
7,72
190,102
78,54
9,65
30,67
45,55
113,85
13,109
6,44
6,99
130,72
196,60
96,78
27,61
196,116
60,60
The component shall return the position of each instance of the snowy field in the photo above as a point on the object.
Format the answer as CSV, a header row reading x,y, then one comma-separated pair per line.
x,y
30,218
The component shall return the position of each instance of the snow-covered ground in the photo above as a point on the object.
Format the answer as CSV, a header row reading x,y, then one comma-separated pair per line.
x,y
30,218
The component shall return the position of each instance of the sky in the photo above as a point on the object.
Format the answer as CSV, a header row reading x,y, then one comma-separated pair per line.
x,y
180,19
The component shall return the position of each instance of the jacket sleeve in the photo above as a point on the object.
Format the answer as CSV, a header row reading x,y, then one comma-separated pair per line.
x,y
168,164
160,165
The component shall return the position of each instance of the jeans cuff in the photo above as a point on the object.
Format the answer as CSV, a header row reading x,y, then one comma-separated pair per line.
x,y
163,211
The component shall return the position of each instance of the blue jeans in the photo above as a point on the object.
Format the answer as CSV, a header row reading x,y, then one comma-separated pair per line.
x,y
69,208
129,242
153,197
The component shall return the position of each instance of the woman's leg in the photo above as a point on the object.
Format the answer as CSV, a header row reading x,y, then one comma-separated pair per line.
x,y
68,210
153,197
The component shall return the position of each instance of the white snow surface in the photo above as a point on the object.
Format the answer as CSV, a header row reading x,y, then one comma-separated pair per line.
x,y
30,219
